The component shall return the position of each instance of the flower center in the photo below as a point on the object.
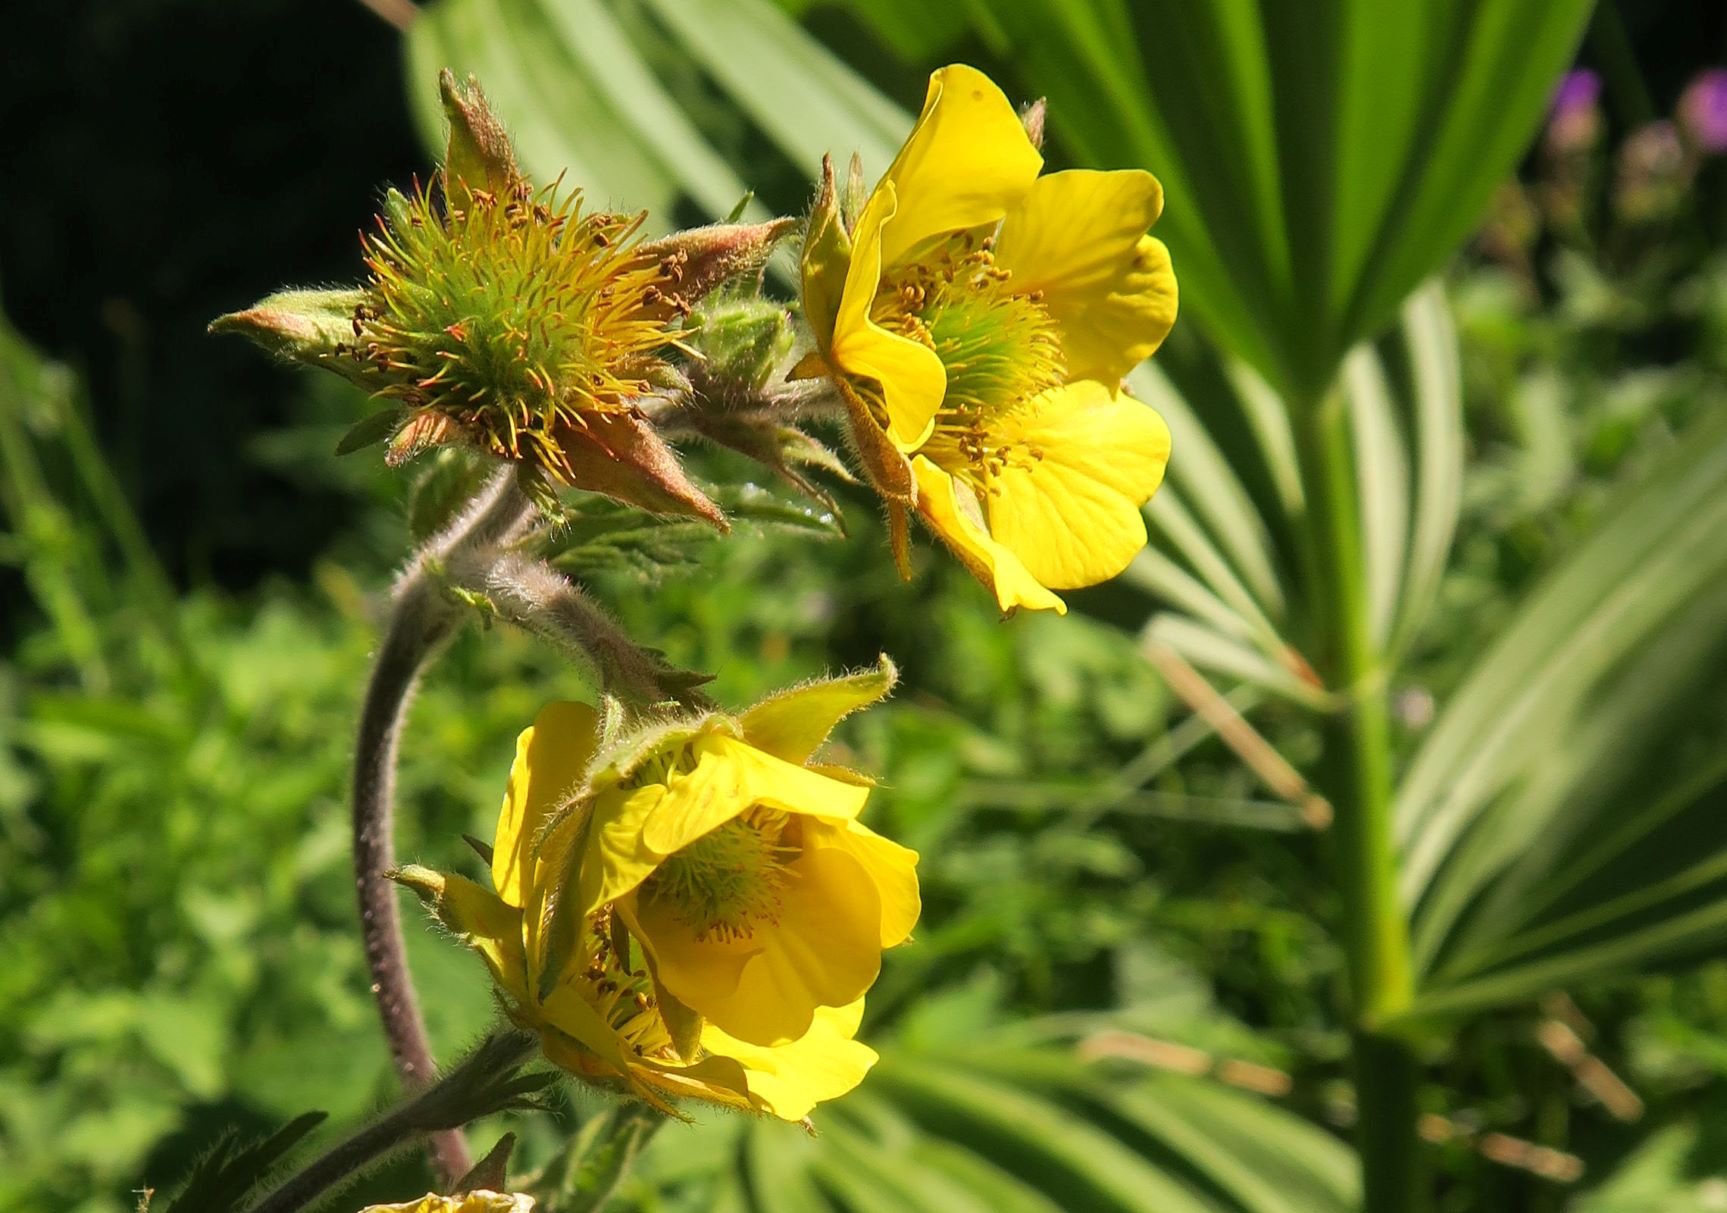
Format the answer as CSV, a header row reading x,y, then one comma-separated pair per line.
x,y
510,314
1000,347
728,881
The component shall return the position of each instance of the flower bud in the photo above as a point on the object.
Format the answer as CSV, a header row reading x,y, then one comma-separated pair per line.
x,y
310,326
1653,173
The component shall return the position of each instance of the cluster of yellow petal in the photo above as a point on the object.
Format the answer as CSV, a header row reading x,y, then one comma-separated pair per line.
x,y
467,1202
1039,488
694,914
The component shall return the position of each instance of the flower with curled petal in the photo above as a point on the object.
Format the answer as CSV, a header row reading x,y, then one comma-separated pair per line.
x,y
694,911
467,1202
977,319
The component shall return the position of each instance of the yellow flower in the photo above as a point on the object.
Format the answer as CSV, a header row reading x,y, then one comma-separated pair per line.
x,y
977,319
696,911
468,1202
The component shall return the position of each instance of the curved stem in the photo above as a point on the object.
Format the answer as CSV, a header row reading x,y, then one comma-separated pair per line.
x,y
421,620
414,635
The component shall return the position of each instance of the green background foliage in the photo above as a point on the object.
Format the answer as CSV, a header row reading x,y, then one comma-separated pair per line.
x,y
190,586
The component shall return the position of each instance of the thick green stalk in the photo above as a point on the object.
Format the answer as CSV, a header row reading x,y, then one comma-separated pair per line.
x,y
1357,777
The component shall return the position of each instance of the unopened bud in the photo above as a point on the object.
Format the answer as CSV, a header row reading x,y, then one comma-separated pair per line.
x,y
742,341
738,397
694,263
314,327
1653,172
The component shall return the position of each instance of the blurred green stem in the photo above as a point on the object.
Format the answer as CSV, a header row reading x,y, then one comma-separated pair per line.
x,y
422,619
1357,778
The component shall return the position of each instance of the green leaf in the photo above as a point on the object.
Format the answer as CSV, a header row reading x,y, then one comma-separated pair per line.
x,y
986,1125
372,430
226,1175
1564,817
1228,553
584,90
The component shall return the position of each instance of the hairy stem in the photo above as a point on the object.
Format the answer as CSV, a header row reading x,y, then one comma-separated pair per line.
x,y
484,1083
421,621
543,602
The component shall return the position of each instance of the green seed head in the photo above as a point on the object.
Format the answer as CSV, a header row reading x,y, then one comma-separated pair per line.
x,y
513,318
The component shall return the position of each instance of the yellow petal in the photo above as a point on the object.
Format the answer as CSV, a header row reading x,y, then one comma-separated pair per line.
x,y
788,1080
793,724
892,867
729,777
713,1079
490,926
569,1012
964,164
551,758
824,951
630,1073
478,1201
617,856
713,965
1073,515
911,376
989,561
1079,238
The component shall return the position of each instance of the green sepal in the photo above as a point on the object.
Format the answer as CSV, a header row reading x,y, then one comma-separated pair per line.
x,y
491,1173
370,431
826,256
683,1024
856,193
794,723
479,154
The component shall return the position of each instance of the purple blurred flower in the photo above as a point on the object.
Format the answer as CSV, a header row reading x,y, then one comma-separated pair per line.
x,y
1703,111
1574,122
1578,89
